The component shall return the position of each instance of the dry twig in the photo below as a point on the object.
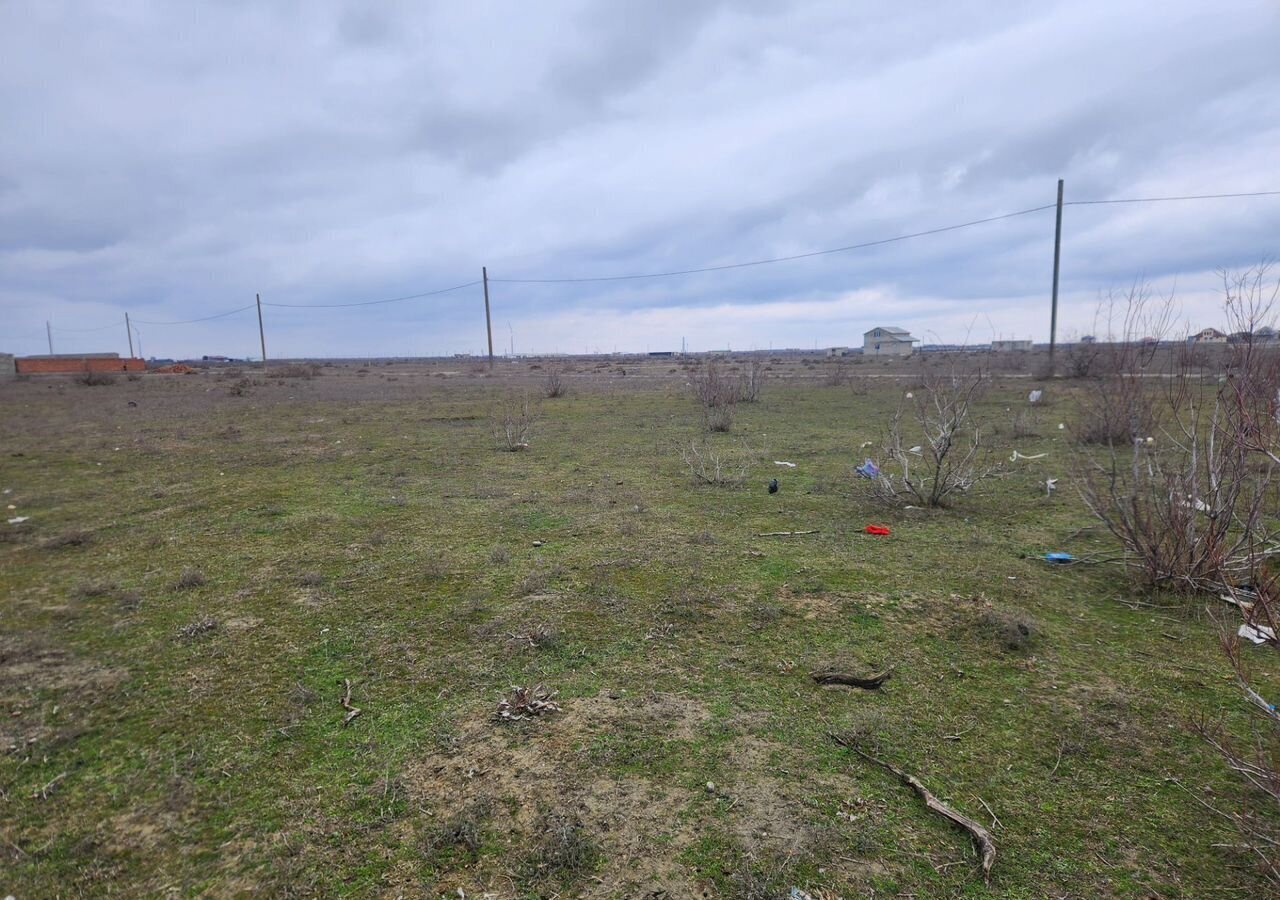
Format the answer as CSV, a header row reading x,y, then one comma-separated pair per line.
x,y
869,682
352,711
785,533
980,834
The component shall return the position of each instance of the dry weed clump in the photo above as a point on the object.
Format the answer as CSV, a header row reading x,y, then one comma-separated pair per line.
x,y
523,703
95,379
190,578
717,465
513,422
198,628
72,537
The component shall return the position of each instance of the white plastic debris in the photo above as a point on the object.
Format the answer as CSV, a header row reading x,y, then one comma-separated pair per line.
x,y
797,894
1259,634
18,520
1034,396
1017,456
1050,485
917,450
783,462
1061,426
910,395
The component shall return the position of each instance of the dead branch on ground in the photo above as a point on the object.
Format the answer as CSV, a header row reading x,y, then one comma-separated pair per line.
x,y
352,711
980,834
870,682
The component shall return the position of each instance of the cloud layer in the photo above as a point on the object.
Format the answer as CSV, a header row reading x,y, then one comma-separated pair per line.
x,y
172,162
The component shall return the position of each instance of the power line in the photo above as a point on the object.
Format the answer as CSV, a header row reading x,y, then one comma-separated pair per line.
x,y
778,259
456,287
230,312
1167,199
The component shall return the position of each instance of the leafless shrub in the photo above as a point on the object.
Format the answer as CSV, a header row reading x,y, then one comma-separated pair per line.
x,y
72,537
522,703
1187,501
310,579
198,628
1026,423
1014,631
89,590
513,422
294,370
718,394
553,382
461,835
711,465
499,555
565,853
751,382
190,578
542,636
938,452
95,379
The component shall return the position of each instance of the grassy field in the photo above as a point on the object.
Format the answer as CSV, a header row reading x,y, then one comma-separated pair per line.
x,y
207,559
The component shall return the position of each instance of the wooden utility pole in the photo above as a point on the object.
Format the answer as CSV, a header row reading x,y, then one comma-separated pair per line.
x,y
48,330
488,323
262,335
1057,258
129,331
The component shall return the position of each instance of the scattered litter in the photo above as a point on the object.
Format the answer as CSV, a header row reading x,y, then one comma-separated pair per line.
x,y
868,470
773,486
877,529
1061,426
7,491
1017,456
527,702
1050,485
783,462
797,894
1059,557
11,506
1259,634
537,543
917,450
18,520
910,395
865,445
1034,396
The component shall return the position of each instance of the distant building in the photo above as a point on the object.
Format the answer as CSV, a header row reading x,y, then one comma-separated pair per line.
x,y
1208,336
888,341
7,367
75,363
1010,346
837,351
1088,339
662,353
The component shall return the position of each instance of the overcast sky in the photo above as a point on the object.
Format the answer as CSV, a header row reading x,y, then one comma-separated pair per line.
x,y
173,159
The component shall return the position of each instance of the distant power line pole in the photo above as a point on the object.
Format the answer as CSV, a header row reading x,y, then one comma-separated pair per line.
x,y
129,331
1057,258
488,322
262,335
48,330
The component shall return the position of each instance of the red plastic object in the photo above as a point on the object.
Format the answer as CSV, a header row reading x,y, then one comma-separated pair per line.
x,y
877,529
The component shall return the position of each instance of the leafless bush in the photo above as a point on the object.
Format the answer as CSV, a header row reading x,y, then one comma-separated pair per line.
x,y
198,628
937,452
711,465
514,421
751,382
837,374
1026,423
718,393
526,703
294,370
95,379
190,578
553,383
1187,500
72,537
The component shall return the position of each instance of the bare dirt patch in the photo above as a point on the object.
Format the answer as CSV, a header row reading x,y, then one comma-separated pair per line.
x,y
528,770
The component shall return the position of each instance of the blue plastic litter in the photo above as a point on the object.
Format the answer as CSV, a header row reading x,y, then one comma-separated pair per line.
x,y
1059,557
867,470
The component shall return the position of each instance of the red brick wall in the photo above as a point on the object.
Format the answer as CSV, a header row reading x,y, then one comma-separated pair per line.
x,y
73,366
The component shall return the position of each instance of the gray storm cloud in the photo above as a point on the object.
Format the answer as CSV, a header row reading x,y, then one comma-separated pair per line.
x,y
173,161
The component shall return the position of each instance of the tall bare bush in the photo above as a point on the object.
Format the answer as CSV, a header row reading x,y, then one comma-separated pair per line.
x,y
513,422
933,445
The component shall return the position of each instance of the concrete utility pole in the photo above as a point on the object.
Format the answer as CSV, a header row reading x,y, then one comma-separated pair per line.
x,y
48,330
488,323
1057,257
129,331
262,335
